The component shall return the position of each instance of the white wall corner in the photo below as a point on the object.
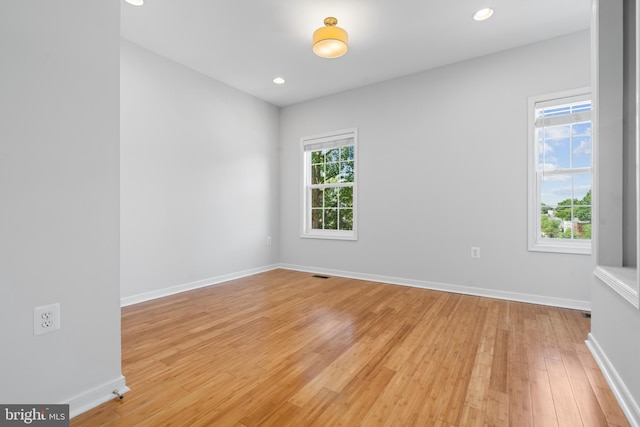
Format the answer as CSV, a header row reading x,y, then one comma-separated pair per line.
x,y
629,405
97,396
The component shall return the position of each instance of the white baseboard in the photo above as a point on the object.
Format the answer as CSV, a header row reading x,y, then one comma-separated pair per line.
x,y
147,296
97,396
467,290
489,293
629,406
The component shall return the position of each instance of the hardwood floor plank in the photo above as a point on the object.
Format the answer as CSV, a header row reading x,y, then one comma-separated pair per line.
x,y
563,399
499,371
472,417
391,396
353,403
478,389
497,412
606,399
542,405
548,337
520,412
282,348
590,411
412,350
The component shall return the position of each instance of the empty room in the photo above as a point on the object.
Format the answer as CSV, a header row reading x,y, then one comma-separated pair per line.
x,y
349,212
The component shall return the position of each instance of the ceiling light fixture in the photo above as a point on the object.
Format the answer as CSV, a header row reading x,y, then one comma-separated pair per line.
x,y
135,2
483,14
330,41
279,81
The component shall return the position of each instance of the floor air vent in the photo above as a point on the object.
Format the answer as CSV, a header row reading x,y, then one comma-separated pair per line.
x,y
320,276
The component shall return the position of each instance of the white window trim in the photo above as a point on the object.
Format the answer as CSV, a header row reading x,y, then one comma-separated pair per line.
x,y
535,242
306,231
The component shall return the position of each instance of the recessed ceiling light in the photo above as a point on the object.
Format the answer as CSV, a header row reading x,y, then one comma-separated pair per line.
x,y
483,14
135,2
278,81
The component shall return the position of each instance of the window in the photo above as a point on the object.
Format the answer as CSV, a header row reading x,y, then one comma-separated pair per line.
x,y
329,189
560,173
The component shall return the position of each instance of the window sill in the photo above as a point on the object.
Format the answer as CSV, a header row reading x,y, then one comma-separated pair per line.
x,y
560,246
623,280
329,235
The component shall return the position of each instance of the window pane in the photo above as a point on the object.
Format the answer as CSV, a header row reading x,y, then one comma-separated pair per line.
x,y
346,219
333,155
346,197
316,197
581,152
582,210
566,213
331,197
317,157
346,171
346,153
557,223
582,185
582,129
317,174
316,219
583,231
331,219
582,213
333,170
544,151
558,153
557,132
555,188
550,227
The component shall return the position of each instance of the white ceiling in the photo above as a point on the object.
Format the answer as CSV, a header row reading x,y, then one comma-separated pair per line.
x,y
246,43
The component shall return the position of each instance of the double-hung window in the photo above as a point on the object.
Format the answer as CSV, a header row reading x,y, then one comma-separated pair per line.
x,y
560,172
330,185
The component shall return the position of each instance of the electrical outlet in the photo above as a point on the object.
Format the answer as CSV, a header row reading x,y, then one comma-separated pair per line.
x,y
268,240
46,319
475,252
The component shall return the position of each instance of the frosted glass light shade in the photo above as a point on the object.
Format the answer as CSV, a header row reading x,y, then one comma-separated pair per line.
x,y
330,41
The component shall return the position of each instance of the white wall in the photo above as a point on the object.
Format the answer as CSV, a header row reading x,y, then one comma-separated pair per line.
x,y
59,200
199,178
615,325
443,167
615,341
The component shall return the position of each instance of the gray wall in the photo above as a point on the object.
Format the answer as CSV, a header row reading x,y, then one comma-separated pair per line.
x,y
199,178
443,167
59,222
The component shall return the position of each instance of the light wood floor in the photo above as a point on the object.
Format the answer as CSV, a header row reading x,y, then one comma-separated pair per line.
x,y
284,348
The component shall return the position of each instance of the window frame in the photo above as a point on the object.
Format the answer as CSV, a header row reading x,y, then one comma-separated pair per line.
x,y
535,242
327,139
